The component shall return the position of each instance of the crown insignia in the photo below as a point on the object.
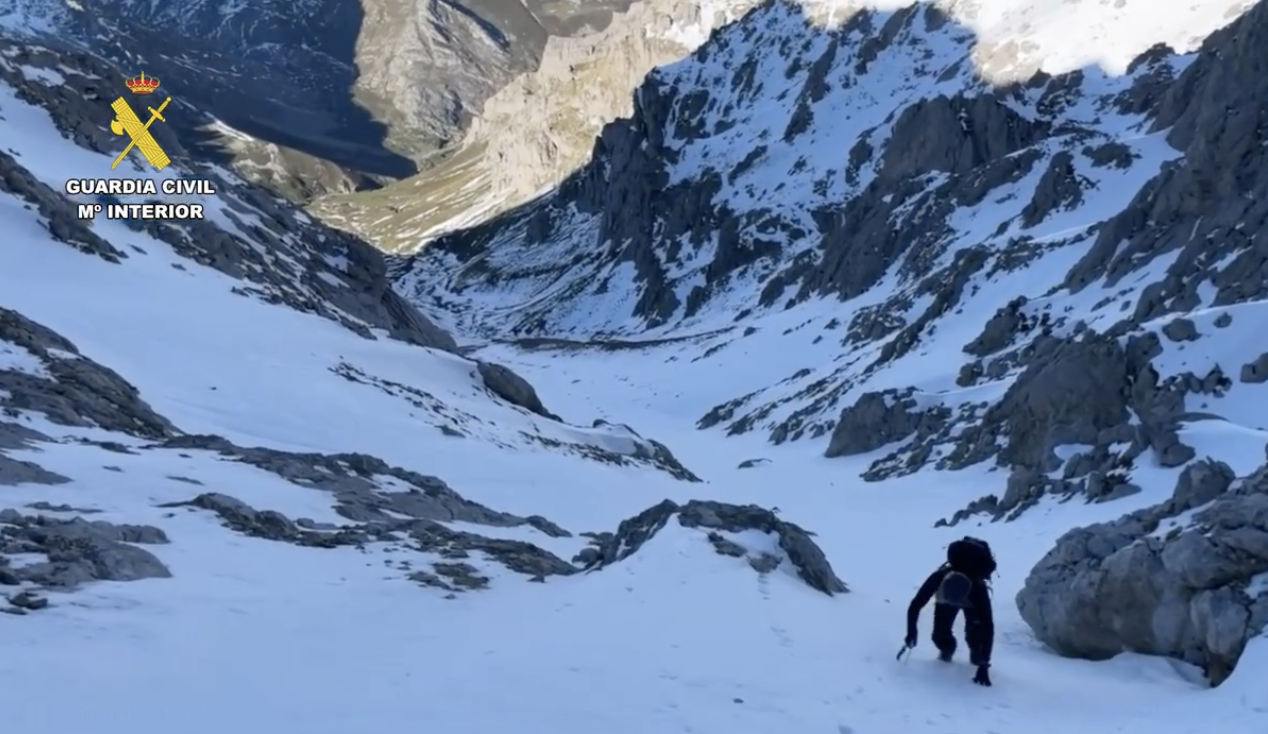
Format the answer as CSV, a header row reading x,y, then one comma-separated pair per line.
x,y
142,84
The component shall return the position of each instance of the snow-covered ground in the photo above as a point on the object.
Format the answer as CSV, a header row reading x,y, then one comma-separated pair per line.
x,y
253,635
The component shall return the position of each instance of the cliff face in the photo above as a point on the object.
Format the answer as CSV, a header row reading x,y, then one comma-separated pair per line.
x,y
323,95
536,129
540,127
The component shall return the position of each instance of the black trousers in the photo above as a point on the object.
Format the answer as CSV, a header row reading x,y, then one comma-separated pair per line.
x,y
944,637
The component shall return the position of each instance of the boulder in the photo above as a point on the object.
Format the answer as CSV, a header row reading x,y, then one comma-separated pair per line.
x,y
1176,579
512,388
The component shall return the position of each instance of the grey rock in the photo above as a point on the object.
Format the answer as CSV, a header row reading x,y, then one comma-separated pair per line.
x,y
47,507
804,554
1181,330
1101,486
519,556
350,479
14,472
1200,483
79,392
727,547
18,436
764,562
1069,398
877,419
1000,330
60,213
658,454
461,575
28,601
1112,154
512,388
1256,372
431,537
1207,207
1119,586
79,551
245,519
988,505
1059,189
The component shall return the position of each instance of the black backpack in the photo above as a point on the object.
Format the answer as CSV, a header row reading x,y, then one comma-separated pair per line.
x,y
972,557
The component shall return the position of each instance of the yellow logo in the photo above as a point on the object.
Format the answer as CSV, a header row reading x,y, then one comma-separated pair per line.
x,y
127,122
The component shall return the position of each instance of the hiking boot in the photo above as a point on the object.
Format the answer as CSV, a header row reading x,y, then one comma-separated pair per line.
x,y
946,655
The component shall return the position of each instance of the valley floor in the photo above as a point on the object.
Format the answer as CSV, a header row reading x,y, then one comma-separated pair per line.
x,y
255,636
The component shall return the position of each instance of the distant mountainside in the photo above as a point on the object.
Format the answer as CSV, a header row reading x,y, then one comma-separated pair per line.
x,y
320,95
541,127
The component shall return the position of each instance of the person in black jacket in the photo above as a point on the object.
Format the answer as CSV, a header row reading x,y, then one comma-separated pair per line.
x,y
962,584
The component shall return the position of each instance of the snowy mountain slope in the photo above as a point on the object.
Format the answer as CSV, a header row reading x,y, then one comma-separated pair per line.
x,y
251,354
673,637
1060,278
957,221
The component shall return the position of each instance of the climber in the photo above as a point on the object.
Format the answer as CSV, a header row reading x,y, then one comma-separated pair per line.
x,y
962,583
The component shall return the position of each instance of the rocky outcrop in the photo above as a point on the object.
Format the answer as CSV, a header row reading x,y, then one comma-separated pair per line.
x,y
1256,372
877,419
1175,579
411,532
1080,390
808,560
76,551
14,471
1214,195
74,391
424,531
357,484
512,388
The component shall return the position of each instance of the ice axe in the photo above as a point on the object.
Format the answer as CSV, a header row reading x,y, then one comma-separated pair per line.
x,y
903,651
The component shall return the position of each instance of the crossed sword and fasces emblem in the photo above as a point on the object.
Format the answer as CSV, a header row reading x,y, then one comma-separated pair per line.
x,y
127,122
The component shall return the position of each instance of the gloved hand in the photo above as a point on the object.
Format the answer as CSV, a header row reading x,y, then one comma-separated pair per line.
x,y
983,677
910,640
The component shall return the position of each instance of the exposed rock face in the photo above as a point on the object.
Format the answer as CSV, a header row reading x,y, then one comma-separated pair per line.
x,y
878,419
74,391
355,481
349,93
805,555
77,551
942,190
512,388
1157,582
535,130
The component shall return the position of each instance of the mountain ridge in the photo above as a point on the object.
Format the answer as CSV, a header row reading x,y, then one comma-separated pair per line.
x,y
1058,279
